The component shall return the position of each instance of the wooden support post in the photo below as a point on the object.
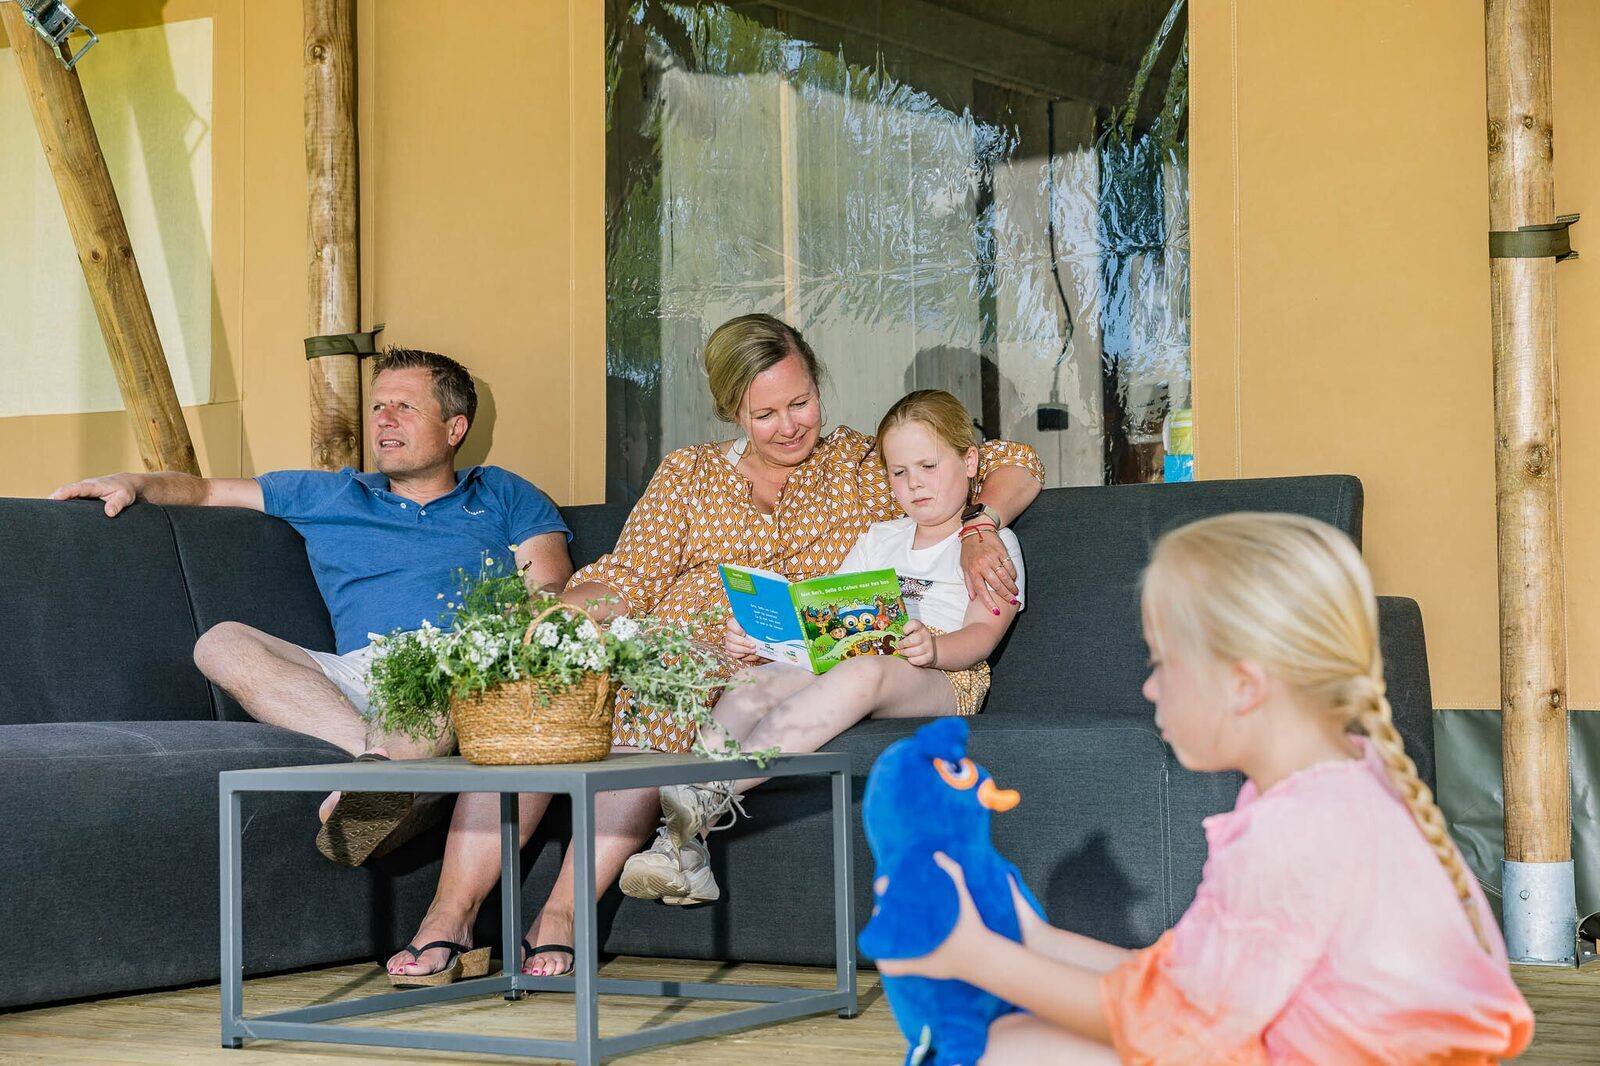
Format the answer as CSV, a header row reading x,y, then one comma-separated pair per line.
x,y
334,277
101,237
1533,643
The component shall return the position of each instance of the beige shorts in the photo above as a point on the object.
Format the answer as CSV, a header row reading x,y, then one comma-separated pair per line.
x,y
348,672
970,685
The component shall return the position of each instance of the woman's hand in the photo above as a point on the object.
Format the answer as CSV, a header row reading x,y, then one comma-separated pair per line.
x,y
919,646
967,943
991,575
737,644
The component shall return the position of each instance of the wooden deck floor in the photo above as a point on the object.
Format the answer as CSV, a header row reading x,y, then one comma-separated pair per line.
x,y
181,1026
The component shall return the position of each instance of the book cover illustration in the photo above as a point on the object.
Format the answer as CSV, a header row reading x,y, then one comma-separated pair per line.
x,y
821,622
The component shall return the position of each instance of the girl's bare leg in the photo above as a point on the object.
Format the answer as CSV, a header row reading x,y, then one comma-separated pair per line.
x,y
1024,1040
871,685
751,695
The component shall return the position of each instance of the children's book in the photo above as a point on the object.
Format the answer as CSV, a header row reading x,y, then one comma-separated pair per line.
x,y
821,622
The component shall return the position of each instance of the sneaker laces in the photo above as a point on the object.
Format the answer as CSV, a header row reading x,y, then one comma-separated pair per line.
x,y
717,801
662,845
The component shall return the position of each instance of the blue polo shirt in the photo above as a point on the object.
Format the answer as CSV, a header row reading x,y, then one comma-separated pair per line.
x,y
381,560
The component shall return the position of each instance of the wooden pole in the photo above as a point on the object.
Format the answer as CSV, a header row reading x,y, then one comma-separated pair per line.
x,y
1533,643
104,251
334,277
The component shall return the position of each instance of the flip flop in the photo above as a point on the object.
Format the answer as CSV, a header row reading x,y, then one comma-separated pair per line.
x,y
369,825
529,951
463,962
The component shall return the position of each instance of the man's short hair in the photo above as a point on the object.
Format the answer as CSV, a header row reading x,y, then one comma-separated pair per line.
x,y
452,385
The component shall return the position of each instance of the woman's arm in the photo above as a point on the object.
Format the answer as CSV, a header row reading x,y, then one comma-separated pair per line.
x,y
648,556
1009,490
1010,476
602,602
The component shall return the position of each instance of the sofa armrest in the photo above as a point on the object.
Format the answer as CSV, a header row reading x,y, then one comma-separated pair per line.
x,y
1405,671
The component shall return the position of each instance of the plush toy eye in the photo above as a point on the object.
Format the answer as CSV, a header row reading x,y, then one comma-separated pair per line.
x,y
962,775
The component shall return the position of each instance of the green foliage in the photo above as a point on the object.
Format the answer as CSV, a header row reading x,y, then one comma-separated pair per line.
x,y
493,632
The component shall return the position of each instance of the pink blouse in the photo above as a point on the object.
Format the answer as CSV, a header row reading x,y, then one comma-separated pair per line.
x,y
1325,930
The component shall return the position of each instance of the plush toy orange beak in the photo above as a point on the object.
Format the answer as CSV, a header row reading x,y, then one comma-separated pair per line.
x,y
995,798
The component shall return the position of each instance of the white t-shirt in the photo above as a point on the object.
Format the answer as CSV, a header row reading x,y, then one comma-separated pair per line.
x,y
931,583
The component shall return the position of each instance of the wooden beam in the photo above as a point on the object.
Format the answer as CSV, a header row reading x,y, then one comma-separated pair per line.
x,y
1533,641
334,282
101,237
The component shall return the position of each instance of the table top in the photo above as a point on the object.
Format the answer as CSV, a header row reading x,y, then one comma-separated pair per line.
x,y
455,774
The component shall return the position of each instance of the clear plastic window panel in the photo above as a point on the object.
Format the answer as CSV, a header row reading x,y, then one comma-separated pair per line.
x,y
986,197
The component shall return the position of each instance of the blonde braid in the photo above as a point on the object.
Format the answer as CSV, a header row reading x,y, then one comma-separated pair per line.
x,y
1376,719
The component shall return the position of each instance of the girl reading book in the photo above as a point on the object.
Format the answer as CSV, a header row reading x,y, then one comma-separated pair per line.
x,y
1336,921
930,453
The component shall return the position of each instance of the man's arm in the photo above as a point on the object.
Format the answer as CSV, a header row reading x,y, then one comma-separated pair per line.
x,y
121,490
546,561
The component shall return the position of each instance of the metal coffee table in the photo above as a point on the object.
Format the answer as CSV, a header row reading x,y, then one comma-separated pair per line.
x,y
580,781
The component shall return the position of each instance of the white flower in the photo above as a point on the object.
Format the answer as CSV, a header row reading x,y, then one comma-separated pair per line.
x,y
624,628
546,634
487,562
587,631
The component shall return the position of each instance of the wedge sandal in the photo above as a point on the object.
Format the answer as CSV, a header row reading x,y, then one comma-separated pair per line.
x,y
464,962
369,825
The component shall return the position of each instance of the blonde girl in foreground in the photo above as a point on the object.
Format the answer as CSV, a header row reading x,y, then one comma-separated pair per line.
x,y
1336,922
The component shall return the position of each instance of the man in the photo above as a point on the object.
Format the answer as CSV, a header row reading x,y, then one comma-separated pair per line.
x,y
382,546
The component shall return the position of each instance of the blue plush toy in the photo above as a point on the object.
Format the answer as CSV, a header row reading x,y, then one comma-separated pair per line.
x,y
924,795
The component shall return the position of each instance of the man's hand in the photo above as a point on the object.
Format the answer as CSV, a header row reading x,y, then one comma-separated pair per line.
x,y
737,644
117,490
165,487
919,647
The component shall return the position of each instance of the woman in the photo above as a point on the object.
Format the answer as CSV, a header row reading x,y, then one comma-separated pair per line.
x,y
782,496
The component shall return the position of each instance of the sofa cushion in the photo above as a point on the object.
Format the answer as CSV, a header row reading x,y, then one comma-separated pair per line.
x,y
110,868
244,566
595,529
1077,646
99,624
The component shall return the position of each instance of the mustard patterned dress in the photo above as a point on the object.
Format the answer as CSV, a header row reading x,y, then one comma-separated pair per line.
x,y
698,512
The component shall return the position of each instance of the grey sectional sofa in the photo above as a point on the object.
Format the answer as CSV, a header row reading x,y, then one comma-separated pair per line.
x,y
111,741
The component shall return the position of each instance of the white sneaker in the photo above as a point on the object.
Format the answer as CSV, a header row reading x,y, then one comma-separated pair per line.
x,y
679,875
694,810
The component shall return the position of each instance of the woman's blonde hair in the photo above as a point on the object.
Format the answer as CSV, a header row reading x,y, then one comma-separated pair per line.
x,y
1292,594
741,349
941,412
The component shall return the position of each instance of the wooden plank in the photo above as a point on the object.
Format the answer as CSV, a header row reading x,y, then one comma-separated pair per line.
x,y
94,216
181,1026
333,279
1533,641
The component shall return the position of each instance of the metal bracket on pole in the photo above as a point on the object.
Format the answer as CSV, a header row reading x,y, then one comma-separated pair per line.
x,y
1539,910
55,22
357,344
1534,242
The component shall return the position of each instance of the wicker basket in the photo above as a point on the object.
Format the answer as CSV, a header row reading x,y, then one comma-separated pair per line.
x,y
508,725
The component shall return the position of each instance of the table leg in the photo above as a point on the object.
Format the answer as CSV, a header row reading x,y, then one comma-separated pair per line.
x,y
843,894
230,845
510,890
585,953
